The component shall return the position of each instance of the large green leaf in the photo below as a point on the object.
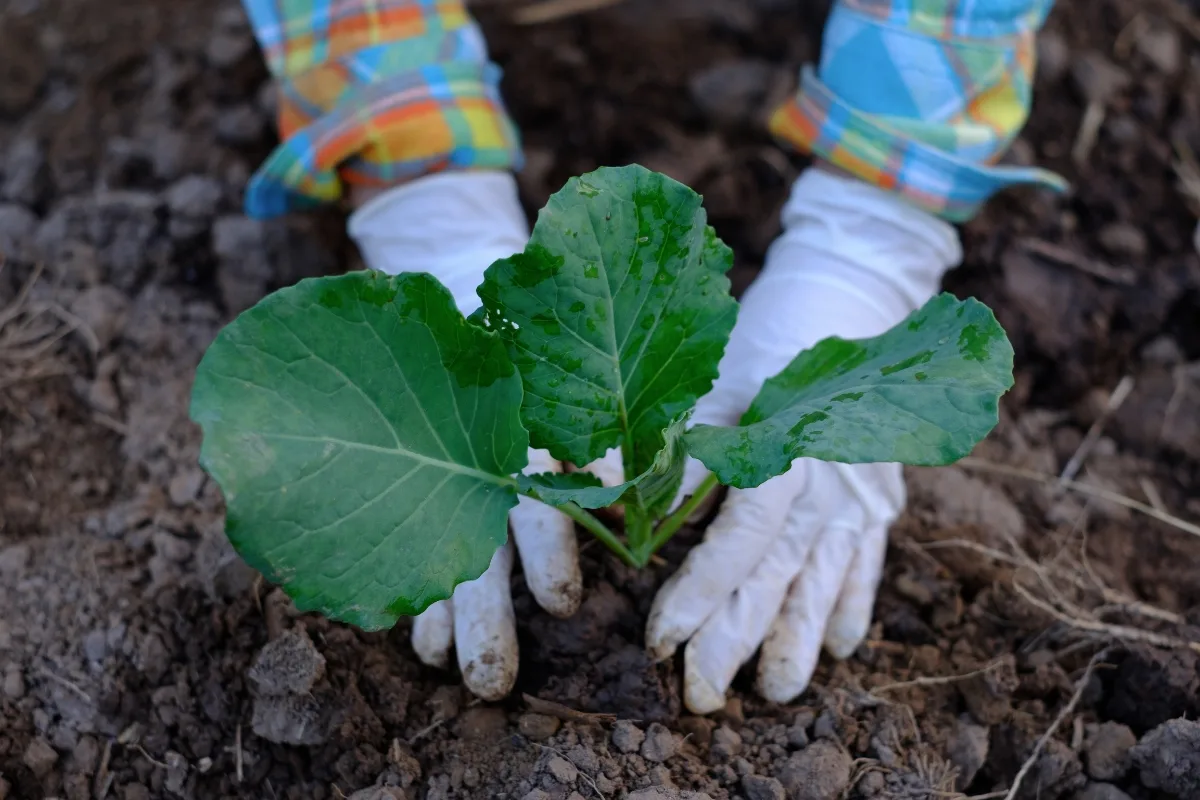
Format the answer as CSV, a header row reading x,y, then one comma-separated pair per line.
x,y
924,393
616,314
364,435
653,489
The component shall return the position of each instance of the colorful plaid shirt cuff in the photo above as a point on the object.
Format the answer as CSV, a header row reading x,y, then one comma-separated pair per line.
x,y
374,92
922,98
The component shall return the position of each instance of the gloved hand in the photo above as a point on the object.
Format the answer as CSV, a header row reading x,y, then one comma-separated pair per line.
x,y
796,562
453,226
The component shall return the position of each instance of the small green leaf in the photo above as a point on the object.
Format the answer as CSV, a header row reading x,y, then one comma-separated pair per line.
x,y
616,314
655,487
561,488
924,393
364,435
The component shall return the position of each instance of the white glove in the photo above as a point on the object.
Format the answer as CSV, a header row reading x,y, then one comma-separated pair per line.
x,y
453,226
796,562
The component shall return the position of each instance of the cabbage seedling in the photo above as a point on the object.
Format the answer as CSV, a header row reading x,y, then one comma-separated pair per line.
x,y
369,439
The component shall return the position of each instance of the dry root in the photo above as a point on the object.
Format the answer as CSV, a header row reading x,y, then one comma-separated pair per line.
x,y
31,337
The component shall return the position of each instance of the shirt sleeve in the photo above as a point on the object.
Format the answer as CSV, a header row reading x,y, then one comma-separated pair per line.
x,y
922,98
374,92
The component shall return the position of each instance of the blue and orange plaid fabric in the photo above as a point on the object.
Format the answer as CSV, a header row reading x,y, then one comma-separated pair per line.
x,y
373,92
922,98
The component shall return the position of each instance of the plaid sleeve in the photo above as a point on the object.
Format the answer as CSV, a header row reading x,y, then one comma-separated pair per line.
x,y
373,92
922,98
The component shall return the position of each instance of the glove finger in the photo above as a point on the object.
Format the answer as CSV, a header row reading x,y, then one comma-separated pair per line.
x,y
746,527
852,615
791,649
545,540
433,634
731,635
485,630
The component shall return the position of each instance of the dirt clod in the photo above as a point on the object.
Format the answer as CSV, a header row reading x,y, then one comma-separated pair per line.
x,y
288,665
482,724
40,757
1168,758
666,793
758,787
379,793
627,737
1101,791
562,770
1106,750
1153,686
194,196
820,771
660,744
538,727
290,719
967,750
726,743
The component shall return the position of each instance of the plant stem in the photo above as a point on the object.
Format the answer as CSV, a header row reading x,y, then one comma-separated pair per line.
x,y
638,528
671,525
600,531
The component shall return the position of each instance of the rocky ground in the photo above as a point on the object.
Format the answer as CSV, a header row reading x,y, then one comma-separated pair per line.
x,y
1025,634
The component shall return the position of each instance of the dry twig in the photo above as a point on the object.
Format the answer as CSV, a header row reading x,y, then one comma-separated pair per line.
x,y
935,681
1187,170
982,465
1069,709
565,713
1125,633
1072,258
1115,400
1089,132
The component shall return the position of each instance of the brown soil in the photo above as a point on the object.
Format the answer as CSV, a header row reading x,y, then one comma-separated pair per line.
x,y
139,658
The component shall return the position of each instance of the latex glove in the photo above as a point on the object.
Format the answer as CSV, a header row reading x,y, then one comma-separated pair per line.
x,y
796,562
453,226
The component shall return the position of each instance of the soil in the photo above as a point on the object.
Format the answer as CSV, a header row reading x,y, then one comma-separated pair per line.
x,y
140,659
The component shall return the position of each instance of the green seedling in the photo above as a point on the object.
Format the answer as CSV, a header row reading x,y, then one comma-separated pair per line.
x,y
369,439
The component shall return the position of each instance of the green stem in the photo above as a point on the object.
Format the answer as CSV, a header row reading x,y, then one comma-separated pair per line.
x,y
638,530
600,531
671,525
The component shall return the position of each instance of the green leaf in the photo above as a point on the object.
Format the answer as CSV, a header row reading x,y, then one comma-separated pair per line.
x,y
657,486
616,314
364,435
924,393
654,488
562,488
